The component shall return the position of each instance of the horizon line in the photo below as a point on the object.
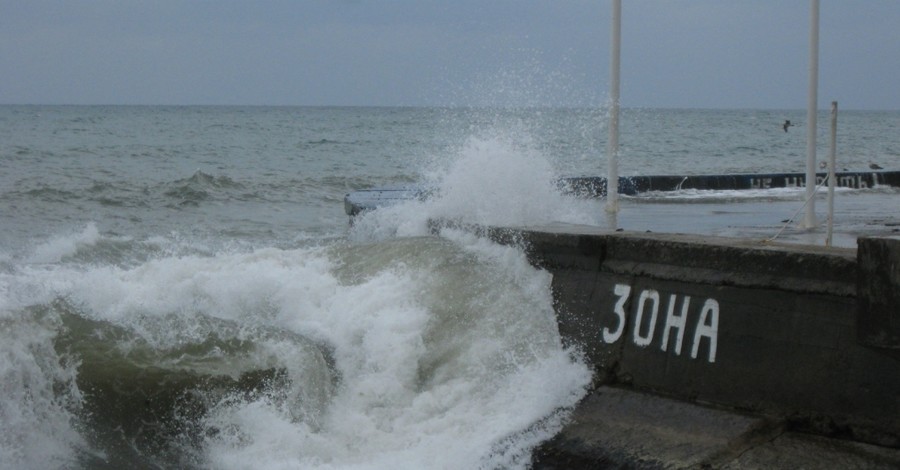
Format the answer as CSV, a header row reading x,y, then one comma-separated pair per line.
x,y
422,106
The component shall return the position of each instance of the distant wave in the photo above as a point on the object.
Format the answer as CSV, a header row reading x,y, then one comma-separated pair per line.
x,y
49,194
200,188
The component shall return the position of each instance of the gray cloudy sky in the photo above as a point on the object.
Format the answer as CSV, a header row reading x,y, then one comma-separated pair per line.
x,y
675,53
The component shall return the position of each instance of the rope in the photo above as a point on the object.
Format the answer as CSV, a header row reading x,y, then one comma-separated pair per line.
x,y
805,203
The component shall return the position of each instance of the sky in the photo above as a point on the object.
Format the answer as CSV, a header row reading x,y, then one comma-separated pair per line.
x,y
675,53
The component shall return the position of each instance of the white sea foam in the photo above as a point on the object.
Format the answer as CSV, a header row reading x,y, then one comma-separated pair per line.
x,y
490,382
446,349
38,398
59,247
479,386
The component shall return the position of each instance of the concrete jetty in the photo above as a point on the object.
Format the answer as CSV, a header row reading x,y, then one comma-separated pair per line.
x,y
724,353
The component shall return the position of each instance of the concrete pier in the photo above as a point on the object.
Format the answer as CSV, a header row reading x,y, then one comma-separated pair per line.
x,y
745,349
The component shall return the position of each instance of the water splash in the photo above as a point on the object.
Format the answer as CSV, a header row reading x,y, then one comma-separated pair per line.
x,y
498,178
57,248
39,398
416,351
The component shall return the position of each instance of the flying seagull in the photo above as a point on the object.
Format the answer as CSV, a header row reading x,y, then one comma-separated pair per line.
x,y
787,123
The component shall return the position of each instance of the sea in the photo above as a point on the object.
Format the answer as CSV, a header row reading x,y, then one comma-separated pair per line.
x,y
180,286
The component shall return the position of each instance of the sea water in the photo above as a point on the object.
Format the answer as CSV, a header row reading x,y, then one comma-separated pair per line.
x,y
179,286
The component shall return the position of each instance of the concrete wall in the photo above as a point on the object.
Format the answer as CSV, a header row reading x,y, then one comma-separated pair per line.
x,y
878,305
596,186
776,330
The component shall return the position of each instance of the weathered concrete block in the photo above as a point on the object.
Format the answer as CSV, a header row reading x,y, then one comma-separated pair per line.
x,y
793,450
617,428
878,290
767,329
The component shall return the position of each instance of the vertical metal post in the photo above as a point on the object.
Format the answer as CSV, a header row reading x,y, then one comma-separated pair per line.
x,y
612,145
811,107
832,157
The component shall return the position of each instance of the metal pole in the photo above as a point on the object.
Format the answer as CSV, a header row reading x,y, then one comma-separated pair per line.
x,y
612,145
811,107
832,157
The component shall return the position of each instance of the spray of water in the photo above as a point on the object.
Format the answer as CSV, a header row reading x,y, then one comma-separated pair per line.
x,y
494,178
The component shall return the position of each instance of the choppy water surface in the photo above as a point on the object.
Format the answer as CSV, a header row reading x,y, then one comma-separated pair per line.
x,y
179,286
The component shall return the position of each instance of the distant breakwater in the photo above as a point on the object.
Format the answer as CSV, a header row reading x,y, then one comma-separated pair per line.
x,y
363,200
631,185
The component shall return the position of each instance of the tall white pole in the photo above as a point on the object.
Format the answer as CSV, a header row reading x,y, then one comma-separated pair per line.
x,y
612,145
811,107
832,158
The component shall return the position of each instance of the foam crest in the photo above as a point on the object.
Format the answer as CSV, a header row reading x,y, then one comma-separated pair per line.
x,y
57,248
444,363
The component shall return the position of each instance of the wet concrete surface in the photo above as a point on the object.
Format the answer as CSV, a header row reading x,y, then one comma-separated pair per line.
x,y
762,219
621,428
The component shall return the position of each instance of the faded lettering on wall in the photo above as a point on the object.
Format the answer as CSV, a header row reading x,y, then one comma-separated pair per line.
x,y
677,311
843,181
